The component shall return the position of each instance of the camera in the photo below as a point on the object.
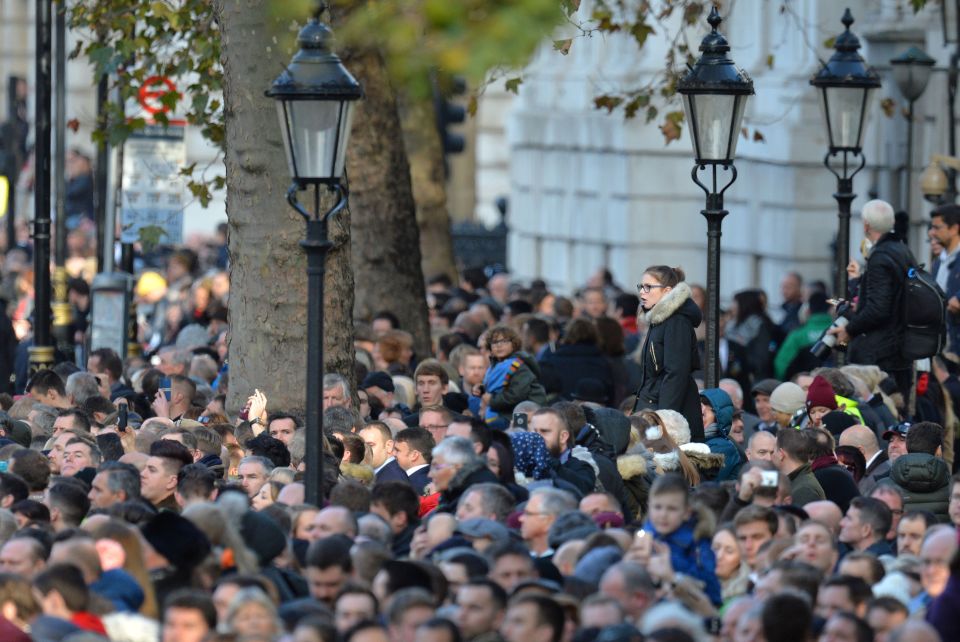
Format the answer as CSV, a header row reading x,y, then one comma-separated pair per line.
x,y
828,342
769,479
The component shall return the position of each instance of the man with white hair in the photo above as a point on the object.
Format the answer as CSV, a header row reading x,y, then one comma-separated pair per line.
x,y
875,327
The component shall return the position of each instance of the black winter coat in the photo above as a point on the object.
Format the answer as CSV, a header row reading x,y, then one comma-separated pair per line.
x,y
561,370
669,358
464,478
875,327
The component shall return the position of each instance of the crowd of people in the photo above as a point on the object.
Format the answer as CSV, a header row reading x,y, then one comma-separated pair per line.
x,y
556,470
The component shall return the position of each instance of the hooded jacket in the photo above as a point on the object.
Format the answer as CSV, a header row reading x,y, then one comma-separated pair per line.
x,y
716,433
924,481
691,552
603,455
669,357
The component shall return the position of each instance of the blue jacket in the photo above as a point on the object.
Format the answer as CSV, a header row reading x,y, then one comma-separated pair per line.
x,y
952,290
691,556
716,434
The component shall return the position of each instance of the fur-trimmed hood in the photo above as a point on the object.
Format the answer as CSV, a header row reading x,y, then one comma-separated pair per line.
x,y
358,472
636,462
678,299
705,462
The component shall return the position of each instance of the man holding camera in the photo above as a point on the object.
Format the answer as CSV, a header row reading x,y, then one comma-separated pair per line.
x,y
874,328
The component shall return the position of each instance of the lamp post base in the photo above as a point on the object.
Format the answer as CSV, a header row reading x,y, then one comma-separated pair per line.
x,y
41,358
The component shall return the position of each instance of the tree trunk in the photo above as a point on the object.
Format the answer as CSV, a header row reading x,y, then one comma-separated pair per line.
x,y
427,174
386,241
268,284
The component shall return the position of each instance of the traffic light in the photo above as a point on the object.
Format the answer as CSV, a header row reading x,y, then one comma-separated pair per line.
x,y
450,113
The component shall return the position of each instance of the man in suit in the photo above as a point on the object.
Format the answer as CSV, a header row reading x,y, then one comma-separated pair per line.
x,y
412,448
378,438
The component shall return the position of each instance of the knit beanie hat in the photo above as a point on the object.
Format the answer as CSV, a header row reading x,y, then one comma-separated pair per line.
x,y
820,394
788,398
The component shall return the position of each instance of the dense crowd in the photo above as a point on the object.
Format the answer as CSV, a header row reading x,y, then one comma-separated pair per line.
x,y
554,471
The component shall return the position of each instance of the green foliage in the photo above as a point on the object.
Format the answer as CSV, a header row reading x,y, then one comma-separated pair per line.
x,y
134,40
418,38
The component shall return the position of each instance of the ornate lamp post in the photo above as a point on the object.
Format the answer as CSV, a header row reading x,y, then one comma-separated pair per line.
x,y
714,94
846,86
315,95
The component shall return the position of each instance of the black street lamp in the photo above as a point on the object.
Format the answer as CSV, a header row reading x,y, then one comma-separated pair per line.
x,y
715,93
42,351
911,71
315,95
846,86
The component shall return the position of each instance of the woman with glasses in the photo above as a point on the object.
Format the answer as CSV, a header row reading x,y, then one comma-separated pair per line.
x,y
669,354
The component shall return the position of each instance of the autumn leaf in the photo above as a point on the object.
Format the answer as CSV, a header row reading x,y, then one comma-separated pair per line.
x,y
563,46
830,42
888,106
671,126
670,131
73,125
513,85
769,61
607,102
472,105
640,32
692,13
744,133
758,137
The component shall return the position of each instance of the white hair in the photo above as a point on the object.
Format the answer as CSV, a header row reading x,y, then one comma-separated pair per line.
x,y
673,615
878,215
456,450
332,380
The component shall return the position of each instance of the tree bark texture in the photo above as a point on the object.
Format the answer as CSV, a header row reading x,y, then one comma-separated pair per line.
x,y
428,177
268,283
385,238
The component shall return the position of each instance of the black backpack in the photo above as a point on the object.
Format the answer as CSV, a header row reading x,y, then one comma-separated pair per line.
x,y
924,315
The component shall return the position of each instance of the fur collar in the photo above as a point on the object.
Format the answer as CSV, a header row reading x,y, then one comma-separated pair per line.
x,y
669,304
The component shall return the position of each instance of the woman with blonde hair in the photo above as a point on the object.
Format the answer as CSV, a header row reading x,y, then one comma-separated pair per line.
x,y
133,563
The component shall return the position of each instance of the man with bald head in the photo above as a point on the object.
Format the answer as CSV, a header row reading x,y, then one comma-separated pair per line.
x,y
939,547
825,511
762,445
332,520
878,466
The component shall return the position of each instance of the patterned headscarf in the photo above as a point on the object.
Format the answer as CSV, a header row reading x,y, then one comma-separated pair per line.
x,y
530,454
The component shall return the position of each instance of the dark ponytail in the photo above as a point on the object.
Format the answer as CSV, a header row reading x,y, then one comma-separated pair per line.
x,y
666,275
